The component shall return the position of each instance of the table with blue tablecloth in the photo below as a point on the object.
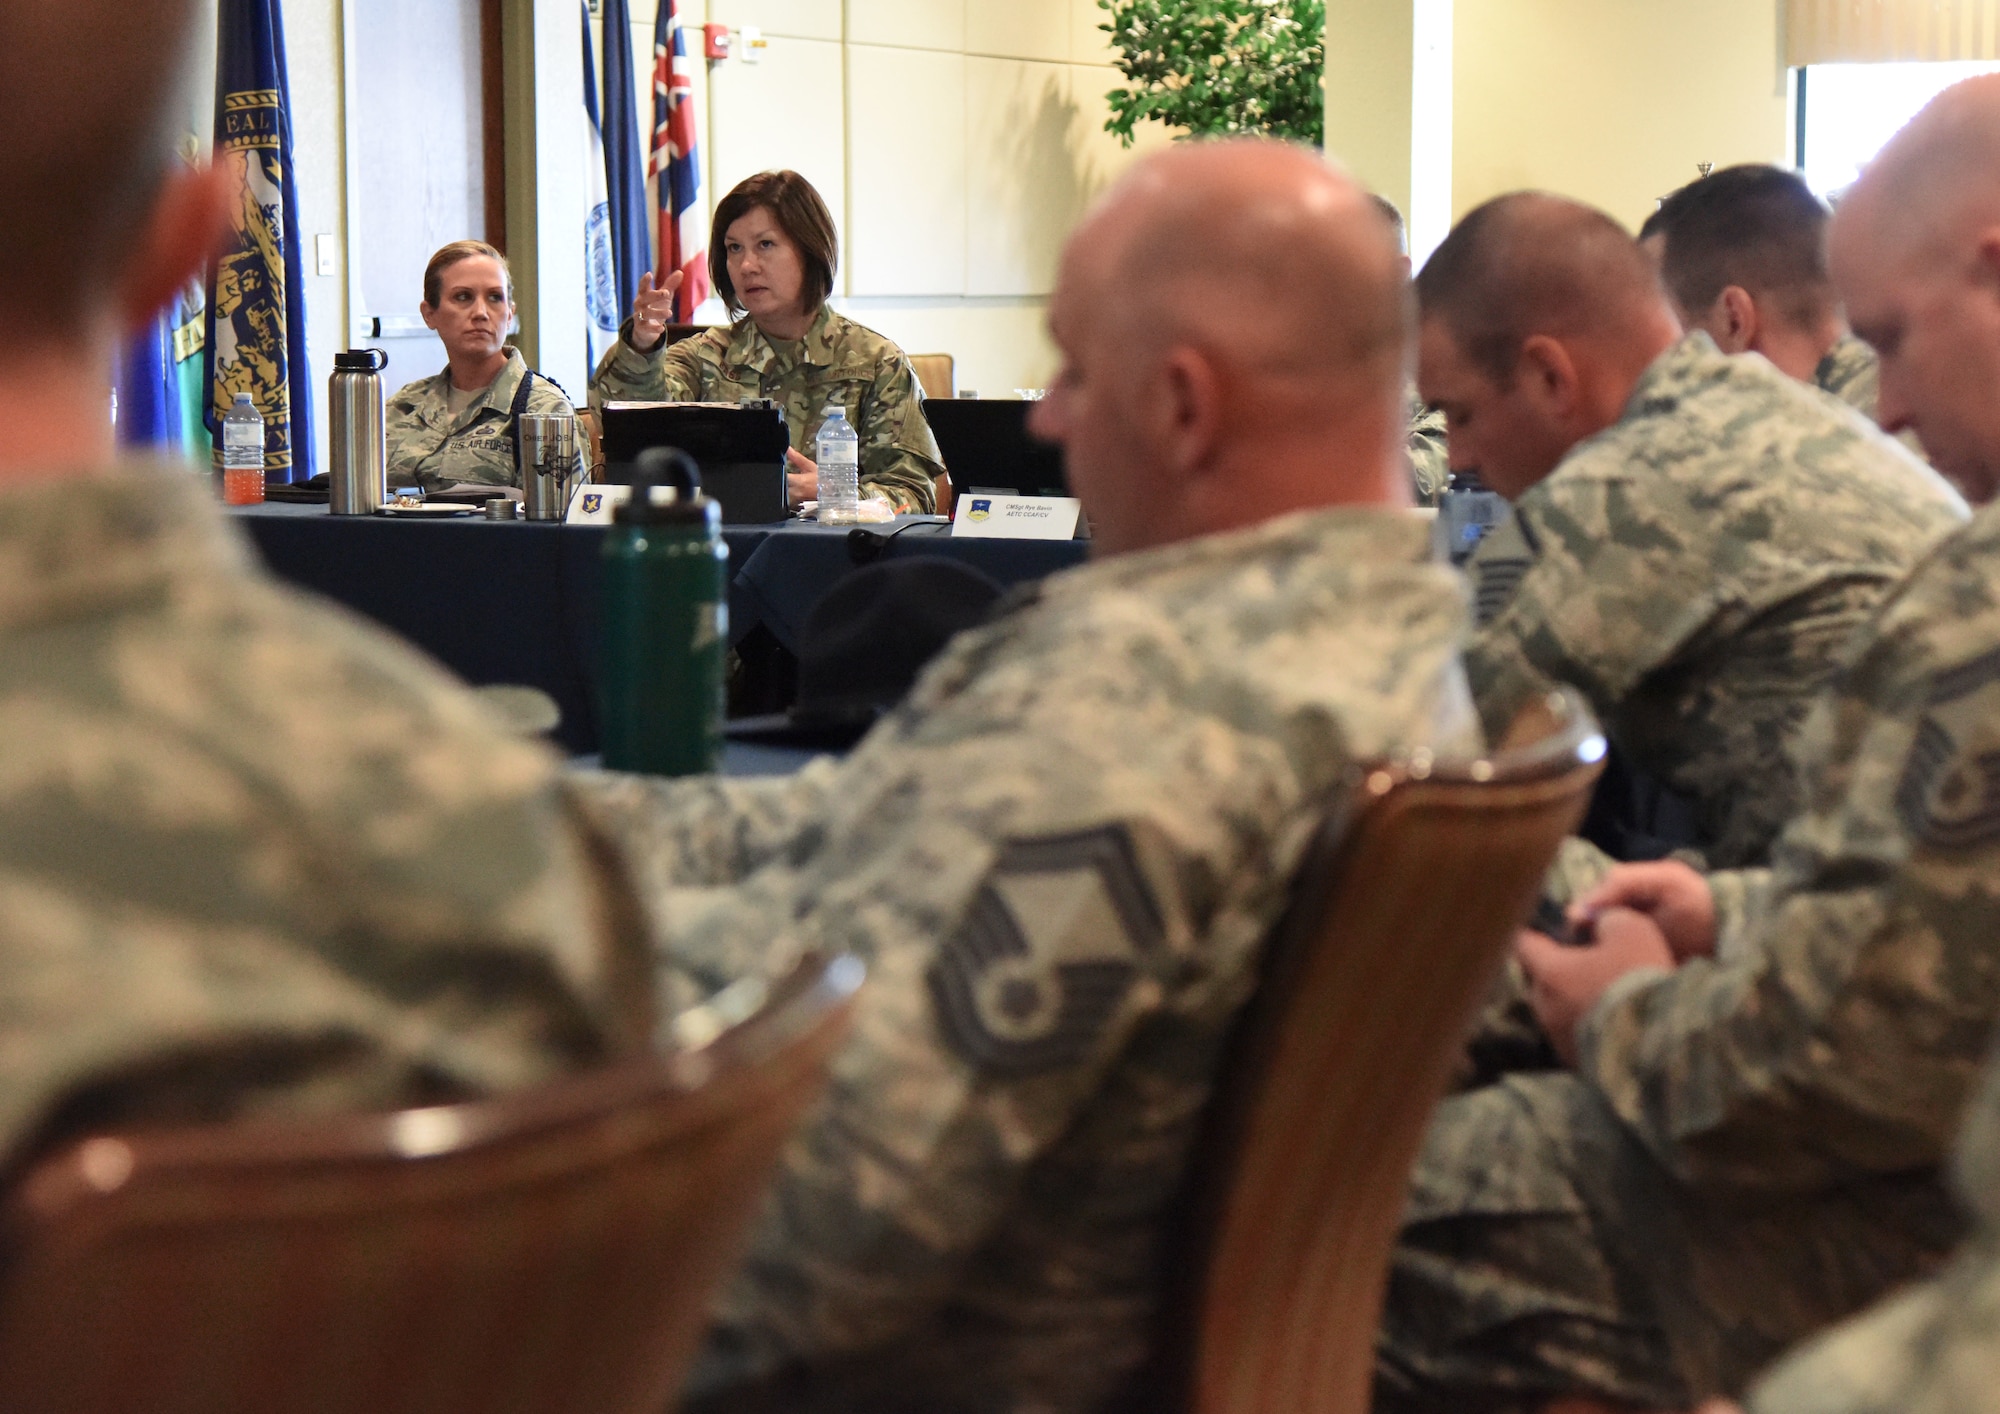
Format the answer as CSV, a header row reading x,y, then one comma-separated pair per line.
x,y
517,601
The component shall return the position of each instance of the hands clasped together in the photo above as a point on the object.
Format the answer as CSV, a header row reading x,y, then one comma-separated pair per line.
x,y
1641,916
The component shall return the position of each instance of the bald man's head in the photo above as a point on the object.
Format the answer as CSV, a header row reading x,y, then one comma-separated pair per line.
x,y
1531,264
85,87
1234,324
1288,263
1915,253
1538,317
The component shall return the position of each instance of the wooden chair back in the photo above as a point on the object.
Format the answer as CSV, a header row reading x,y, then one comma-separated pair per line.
x,y
935,374
1400,918
590,436
549,1250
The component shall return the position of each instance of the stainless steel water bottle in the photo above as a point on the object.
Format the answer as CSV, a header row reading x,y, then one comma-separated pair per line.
x,y
666,625
548,464
358,477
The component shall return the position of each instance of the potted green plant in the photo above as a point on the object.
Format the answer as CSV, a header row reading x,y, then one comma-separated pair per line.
x,y
1220,66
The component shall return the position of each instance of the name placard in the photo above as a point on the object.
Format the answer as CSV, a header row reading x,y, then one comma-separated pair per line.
x,y
1016,517
593,504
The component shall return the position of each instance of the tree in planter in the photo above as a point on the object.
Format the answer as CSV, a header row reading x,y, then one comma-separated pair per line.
x,y
1220,66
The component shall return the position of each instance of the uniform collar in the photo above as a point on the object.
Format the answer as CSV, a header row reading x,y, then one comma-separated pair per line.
x,y
499,393
1847,357
1687,367
1342,538
93,544
749,349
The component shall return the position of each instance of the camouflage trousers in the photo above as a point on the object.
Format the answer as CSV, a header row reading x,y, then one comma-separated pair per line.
x,y
1546,1252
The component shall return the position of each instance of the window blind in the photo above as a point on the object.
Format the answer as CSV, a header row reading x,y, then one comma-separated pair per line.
x,y
1869,31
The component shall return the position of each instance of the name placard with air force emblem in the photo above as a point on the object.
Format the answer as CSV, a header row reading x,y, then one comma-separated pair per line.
x,y
1016,517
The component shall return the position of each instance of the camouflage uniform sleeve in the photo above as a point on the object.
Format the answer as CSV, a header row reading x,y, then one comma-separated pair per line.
x,y
899,456
1429,453
668,373
700,831
1933,1348
1739,895
1578,586
936,1105
1842,1030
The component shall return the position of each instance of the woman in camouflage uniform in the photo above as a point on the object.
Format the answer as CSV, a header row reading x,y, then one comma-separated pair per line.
x,y
458,425
771,254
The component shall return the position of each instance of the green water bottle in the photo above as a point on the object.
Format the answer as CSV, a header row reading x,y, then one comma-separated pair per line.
x,y
666,625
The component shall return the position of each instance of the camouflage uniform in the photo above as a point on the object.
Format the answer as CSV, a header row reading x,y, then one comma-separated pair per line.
x,y
1430,457
1752,1145
1699,569
838,361
1851,372
1933,1349
431,448
257,854
1058,857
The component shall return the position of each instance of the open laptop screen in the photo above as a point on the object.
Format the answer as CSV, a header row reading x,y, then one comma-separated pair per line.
x,y
741,451
986,447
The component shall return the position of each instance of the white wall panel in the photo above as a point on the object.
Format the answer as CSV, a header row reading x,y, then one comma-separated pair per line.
x,y
909,24
1024,185
314,51
1087,43
796,19
1101,155
996,345
783,112
1019,29
906,207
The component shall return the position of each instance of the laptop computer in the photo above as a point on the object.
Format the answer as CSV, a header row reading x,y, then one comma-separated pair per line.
x,y
986,447
740,450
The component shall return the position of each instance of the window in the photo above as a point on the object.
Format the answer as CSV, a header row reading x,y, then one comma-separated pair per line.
x,y
1848,111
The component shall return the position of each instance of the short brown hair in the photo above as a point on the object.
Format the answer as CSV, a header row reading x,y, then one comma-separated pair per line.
x,y
85,94
1757,227
449,256
1529,263
800,213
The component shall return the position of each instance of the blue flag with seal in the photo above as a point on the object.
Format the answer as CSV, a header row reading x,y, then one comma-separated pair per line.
x,y
600,271
624,173
255,335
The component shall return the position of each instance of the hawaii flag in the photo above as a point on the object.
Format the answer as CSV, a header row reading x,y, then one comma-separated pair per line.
x,y
676,165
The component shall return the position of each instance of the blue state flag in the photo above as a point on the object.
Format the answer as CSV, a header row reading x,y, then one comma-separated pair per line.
x,y
624,173
600,270
149,396
255,335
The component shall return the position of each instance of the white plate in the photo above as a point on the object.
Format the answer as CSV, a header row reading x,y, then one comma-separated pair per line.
x,y
440,509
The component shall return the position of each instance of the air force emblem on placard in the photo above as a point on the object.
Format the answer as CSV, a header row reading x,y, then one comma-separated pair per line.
x,y
981,509
1949,796
1048,952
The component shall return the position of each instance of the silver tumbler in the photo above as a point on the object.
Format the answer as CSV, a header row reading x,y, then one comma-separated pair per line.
x,y
548,465
358,479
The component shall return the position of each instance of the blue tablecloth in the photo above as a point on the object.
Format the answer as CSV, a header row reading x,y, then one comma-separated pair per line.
x,y
517,601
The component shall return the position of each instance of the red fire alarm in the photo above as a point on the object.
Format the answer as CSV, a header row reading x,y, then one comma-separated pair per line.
x,y
715,41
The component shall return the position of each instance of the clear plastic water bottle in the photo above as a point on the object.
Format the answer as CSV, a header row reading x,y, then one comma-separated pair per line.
x,y
839,469
242,453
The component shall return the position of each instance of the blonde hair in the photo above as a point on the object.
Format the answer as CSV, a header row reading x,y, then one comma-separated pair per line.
x,y
449,256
